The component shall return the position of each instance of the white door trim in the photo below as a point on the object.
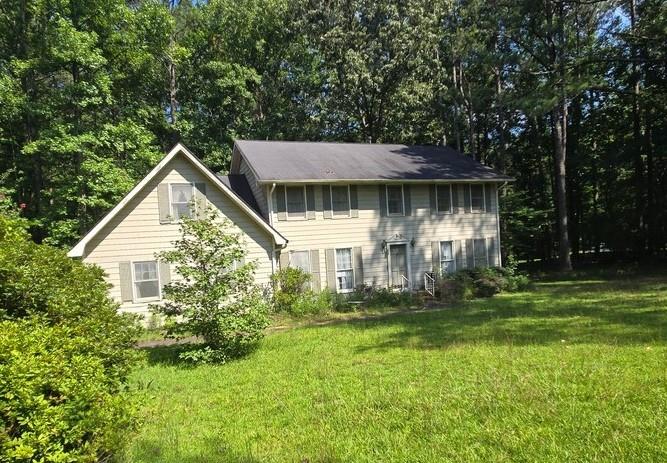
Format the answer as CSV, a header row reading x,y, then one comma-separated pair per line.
x,y
408,258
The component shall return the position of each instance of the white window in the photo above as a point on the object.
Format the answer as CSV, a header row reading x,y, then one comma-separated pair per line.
x,y
477,198
340,200
446,257
479,252
181,200
395,200
295,198
146,280
300,259
344,271
443,199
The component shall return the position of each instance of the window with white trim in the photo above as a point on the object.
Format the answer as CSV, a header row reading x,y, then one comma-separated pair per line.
x,y
300,259
145,280
477,198
479,252
295,199
395,201
344,270
181,200
447,257
340,200
443,199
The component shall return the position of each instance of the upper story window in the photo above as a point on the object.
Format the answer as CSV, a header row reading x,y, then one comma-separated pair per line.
x,y
444,199
295,198
181,200
146,280
395,200
477,198
340,200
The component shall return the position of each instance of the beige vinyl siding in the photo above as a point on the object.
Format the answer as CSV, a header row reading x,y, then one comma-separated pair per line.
x,y
256,188
369,230
136,234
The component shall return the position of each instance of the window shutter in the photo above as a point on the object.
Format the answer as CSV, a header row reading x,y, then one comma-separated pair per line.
x,y
466,198
489,189
470,257
358,266
492,252
458,255
125,275
200,200
407,200
330,260
163,202
315,269
435,257
354,201
165,273
310,202
284,259
431,199
281,206
382,195
326,200
458,199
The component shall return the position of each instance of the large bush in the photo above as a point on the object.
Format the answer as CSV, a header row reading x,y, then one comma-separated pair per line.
x,y
214,296
58,401
292,294
65,354
480,282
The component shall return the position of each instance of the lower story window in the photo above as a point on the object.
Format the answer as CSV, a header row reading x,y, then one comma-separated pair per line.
x,y
300,259
146,280
344,272
446,257
479,253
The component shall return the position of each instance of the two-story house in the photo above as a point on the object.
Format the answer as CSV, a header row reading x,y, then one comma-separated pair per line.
x,y
349,214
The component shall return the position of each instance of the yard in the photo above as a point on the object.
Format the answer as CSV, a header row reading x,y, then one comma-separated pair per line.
x,y
572,371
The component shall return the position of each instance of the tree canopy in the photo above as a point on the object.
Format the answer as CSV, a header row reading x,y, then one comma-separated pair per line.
x,y
569,97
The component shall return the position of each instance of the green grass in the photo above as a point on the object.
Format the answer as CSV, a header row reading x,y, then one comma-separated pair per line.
x,y
573,371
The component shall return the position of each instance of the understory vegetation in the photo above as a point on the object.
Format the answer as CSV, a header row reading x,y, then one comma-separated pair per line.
x,y
65,356
573,370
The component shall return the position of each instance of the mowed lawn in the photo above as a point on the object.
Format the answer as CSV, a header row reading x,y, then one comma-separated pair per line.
x,y
572,371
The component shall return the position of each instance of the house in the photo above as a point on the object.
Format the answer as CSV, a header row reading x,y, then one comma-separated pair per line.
x,y
349,214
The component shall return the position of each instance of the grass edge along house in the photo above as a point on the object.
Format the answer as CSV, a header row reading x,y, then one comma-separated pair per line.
x,y
349,214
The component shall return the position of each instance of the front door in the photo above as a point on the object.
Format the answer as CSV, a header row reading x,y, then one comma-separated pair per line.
x,y
398,266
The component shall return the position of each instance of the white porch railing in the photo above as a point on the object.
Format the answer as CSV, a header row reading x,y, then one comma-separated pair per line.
x,y
405,283
429,283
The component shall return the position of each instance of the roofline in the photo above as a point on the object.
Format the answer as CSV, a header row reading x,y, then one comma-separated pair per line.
x,y
385,180
79,248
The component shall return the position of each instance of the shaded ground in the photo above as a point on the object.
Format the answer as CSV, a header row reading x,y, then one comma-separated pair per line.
x,y
574,371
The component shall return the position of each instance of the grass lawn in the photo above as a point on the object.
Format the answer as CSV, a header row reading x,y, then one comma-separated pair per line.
x,y
573,371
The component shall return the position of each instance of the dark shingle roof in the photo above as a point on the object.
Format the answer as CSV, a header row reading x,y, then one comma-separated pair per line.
x,y
239,185
285,161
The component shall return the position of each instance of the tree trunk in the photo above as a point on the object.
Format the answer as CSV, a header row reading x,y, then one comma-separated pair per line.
x,y
640,203
560,156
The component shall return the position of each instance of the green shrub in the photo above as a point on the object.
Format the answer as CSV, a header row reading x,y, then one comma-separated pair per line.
x,y
59,402
65,355
480,282
215,296
290,288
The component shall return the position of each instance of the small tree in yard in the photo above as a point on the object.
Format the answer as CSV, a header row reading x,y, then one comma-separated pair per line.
x,y
215,297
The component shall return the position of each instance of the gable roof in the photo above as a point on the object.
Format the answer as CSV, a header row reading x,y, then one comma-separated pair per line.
x,y
284,161
78,250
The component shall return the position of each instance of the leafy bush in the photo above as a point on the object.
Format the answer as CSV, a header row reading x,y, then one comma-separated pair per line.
x,y
58,401
292,295
480,282
65,354
215,297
